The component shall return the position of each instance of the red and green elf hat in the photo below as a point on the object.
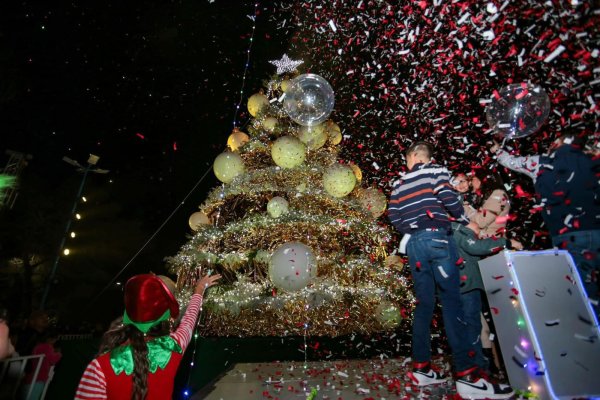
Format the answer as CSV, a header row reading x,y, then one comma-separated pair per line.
x,y
148,301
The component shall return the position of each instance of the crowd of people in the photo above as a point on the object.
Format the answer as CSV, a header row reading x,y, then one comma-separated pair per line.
x,y
36,337
449,223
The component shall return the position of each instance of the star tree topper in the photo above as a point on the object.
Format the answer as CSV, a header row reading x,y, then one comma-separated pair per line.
x,y
285,64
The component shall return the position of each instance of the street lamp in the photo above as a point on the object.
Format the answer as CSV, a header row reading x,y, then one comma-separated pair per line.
x,y
91,162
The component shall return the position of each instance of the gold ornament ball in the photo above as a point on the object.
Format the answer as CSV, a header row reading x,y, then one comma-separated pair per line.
x,y
269,124
357,172
334,133
388,314
288,152
237,139
313,136
336,139
374,201
277,206
339,180
393,261
257,103
227,166
198,219
284,85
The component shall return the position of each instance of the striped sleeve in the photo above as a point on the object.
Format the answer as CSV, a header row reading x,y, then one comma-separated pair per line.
x,y
92,384
183,334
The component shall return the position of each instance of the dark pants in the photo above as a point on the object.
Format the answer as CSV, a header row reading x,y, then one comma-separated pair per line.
x,y
432,256
472,307
584,247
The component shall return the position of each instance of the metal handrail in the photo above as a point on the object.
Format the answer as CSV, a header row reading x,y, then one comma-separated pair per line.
x,y
21,374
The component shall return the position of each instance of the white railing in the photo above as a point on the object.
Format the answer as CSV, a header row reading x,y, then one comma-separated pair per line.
x,y
12,372
74,336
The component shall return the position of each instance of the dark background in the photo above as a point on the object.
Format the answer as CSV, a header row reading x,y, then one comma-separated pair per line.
x,y
152,90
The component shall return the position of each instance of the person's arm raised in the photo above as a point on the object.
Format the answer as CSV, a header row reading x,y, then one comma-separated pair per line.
x,y
528,165
183,333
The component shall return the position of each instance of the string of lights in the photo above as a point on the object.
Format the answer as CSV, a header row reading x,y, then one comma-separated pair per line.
x,y
186,390
247,65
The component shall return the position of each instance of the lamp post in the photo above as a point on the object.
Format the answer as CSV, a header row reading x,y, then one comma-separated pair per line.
x,y
91,162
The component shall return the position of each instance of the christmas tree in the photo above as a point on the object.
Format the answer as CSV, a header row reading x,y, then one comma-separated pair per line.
x,y
300,244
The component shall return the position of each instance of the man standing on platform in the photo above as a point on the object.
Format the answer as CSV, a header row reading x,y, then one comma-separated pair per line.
x,y
419,206
566,182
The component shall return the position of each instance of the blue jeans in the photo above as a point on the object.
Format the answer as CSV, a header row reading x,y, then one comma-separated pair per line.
x,y
432,256
471,303
584,247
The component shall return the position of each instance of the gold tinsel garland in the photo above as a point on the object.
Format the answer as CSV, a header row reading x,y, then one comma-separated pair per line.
x,y
344,298
323,310
263,232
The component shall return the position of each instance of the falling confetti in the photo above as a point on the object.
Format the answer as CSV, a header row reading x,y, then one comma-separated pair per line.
x,y
406,71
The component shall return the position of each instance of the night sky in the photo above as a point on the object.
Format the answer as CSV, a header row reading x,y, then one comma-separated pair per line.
x,y
152,90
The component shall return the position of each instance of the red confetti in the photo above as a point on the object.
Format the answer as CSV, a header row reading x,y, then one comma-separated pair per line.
x,y
520,192
588,255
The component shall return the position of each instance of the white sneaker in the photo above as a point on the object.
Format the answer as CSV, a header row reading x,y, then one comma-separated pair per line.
x,y
426,376
474,386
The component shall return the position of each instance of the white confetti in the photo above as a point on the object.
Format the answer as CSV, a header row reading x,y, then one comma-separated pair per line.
x,y
332,25
489,35
555,53
463,18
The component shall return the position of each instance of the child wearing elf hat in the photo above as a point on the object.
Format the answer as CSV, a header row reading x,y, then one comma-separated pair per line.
x,y
139,354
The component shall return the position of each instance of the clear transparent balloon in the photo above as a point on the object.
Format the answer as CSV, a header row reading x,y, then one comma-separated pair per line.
x,y
520,110
309,99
